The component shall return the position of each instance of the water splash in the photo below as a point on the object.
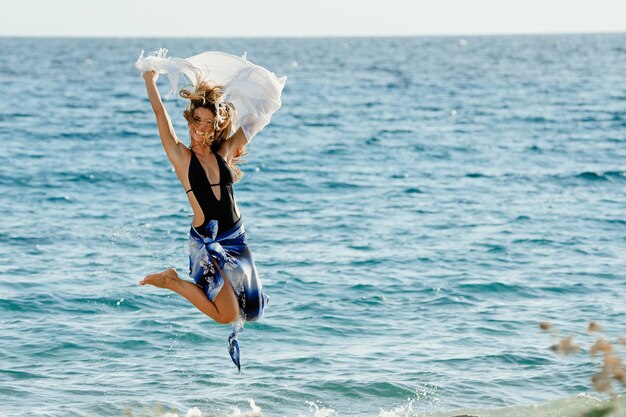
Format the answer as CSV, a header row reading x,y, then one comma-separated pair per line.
x,y
318,412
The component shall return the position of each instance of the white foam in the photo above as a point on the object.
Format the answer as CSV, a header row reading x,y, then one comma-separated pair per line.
x,y
255,411
318,412
401,411
563,407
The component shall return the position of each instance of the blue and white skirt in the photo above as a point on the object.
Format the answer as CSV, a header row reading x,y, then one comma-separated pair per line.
x,y
230,250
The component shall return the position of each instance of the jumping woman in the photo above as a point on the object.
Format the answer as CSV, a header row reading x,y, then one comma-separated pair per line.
x,y
229,101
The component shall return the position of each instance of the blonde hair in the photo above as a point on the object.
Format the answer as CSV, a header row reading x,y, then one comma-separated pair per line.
x,y
207,96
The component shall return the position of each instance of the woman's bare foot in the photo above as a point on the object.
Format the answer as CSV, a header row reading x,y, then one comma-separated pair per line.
x,y
162,279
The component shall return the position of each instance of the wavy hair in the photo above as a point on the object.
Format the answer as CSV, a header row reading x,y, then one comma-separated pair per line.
x,y
207,96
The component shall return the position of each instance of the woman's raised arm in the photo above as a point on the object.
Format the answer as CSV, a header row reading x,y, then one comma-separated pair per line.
x,y
170,142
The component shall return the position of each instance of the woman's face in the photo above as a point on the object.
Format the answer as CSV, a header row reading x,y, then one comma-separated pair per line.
x,y
202,126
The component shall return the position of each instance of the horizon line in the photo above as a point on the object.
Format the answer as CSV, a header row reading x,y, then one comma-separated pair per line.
x,y
344,36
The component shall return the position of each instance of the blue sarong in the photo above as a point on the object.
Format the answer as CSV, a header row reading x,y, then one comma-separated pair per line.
x,y
230,250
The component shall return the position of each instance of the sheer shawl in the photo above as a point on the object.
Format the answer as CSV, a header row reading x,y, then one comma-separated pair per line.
x,y
251,89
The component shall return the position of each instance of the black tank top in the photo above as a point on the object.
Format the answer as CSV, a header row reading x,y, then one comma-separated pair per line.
x,y
222,210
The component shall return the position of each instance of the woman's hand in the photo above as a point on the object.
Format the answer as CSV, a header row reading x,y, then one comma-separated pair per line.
x,y
150,75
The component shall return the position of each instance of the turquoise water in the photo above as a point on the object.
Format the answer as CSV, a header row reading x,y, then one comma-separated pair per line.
x,y
416,207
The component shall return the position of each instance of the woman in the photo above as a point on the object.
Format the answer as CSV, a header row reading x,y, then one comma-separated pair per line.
x,y
227,287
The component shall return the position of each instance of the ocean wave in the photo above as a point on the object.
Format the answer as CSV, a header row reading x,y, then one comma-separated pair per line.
x,y
495,288
601,176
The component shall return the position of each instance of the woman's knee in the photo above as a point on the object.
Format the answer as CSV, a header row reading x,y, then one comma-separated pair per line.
x,y
227,303
227,317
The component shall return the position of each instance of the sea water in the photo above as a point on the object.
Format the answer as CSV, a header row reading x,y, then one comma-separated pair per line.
x,y
415,209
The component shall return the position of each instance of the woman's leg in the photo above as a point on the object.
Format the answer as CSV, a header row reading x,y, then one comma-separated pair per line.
x,y
224,309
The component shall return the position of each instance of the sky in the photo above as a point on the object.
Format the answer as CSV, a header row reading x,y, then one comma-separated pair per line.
x,y
298,18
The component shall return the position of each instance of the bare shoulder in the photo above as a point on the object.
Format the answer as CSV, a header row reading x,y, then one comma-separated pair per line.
x,y
184,150
224,153
184,156
233,146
